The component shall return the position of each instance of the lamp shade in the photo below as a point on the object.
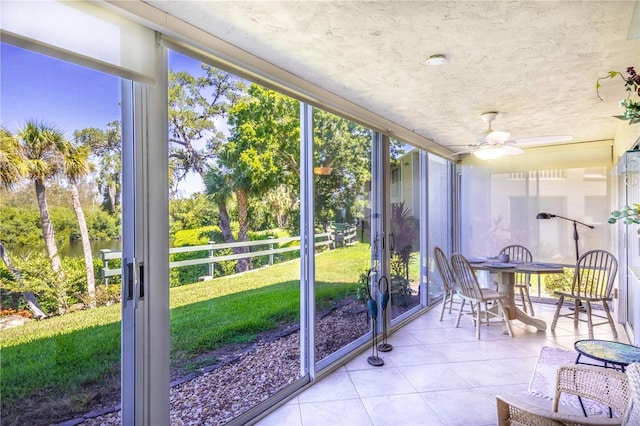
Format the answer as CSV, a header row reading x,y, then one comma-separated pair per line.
x,y
545,216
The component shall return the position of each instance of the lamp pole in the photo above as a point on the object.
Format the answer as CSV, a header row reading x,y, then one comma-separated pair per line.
x,y
575,227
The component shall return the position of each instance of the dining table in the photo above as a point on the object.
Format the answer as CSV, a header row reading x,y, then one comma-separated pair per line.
x,y
506,272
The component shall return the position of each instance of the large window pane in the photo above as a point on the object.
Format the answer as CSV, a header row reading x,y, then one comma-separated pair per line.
x,y
342,161
65,119
404,235
234,218
502,208
439,218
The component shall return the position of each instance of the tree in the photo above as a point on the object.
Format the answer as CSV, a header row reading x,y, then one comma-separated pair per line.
x,y
195,103
106,145
39,143
77,166
261,153
12,165
12,170
345,147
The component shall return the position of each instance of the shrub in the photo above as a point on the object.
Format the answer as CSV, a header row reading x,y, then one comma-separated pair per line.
x,y
363,290
558,282
54,293
399,283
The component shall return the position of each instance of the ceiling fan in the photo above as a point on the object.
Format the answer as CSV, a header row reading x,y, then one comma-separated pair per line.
x,y
493,144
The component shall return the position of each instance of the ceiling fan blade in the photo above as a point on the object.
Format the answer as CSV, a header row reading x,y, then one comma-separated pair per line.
x,y
543,140
512,150
464,151
497,137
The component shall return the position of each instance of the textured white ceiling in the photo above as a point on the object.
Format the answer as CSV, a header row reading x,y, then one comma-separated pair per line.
x,y
535,62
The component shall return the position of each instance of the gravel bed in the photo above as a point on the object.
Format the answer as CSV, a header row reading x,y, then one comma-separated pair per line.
x,y
217,396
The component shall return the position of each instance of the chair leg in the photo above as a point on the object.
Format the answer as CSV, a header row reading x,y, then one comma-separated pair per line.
x,y
444,304
576,312
460,312
452,295
555,317
589,319
478,320
605,305
505,317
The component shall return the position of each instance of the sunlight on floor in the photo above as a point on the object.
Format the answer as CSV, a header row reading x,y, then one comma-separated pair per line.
x,y
435,375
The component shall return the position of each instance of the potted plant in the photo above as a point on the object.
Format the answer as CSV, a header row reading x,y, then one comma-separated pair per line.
x,y
632,87
627,214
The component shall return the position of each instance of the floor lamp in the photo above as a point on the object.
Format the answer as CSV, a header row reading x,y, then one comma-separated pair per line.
x,y
575,227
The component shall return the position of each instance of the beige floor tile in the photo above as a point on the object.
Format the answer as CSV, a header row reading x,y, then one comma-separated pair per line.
x,y
400,410
412,355
349,412
425,378
287,415
463,407
381,382
336,386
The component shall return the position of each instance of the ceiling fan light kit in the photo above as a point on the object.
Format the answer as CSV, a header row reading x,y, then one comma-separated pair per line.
x,y
492,144
490,152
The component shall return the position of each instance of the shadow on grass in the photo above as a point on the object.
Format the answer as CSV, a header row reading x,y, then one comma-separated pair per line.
x,y
48,380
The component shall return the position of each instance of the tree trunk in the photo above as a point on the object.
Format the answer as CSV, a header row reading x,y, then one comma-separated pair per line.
x,y
49,237
47,229
111,191
225,223
243,231
86,243
32,302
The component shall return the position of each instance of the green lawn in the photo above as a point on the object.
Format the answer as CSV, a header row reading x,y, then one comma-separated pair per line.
x,y
64,355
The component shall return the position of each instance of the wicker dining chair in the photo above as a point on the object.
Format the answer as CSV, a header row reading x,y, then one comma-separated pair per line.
x,y
478,298
448,280
593,280
520,253
609,387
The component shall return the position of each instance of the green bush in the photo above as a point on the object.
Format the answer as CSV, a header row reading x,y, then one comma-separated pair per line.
x,y
363,290
202,236
193,237
20,226
102,225
55,294
400,285
558,282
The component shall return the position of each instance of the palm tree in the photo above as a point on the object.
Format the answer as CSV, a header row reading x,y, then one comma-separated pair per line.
x,y
39,143
76,166
13,168
12,164
219,187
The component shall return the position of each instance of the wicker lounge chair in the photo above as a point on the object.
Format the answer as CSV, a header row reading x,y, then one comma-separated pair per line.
x,y
613,388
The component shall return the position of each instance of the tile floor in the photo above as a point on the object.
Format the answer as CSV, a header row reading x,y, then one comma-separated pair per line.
x,y
436,374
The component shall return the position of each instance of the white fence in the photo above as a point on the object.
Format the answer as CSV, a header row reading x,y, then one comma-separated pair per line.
x,y
338,236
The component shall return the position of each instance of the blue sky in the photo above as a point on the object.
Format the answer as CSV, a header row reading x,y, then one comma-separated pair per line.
x,y
68,96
